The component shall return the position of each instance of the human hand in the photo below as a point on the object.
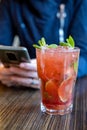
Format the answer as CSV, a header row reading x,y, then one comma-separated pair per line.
x,y
24,75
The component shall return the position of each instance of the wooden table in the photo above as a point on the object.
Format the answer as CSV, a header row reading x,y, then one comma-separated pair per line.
x,y
20,110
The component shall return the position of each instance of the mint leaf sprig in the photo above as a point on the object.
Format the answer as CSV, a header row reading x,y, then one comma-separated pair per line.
x,y
69,42
42,43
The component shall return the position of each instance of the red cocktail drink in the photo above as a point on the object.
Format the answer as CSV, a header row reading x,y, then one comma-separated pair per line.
x,y
57,71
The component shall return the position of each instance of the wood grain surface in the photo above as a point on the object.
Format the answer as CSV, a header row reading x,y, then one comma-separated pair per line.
x,y
20,110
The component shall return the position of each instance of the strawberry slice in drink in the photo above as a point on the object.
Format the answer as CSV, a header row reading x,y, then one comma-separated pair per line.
x,y
65,89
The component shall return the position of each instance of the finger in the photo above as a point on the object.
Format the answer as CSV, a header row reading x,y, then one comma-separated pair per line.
x,y
33,61
26,81
7,83
5,71
6,80
29,66
4,77
24,73
34,86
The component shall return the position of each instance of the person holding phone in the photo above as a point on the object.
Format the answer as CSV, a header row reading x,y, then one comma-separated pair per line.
x,y
33,19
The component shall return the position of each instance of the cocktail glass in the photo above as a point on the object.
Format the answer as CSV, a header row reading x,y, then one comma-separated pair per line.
x,y
57,70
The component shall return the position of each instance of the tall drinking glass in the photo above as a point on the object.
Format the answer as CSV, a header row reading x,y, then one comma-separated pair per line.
x,y
57,71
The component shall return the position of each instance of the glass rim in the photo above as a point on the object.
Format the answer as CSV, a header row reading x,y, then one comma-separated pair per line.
x,y
75,49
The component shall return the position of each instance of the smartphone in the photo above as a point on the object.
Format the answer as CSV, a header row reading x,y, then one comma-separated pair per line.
x,y
10,55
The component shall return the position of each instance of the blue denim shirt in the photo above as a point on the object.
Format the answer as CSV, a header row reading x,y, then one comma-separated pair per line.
x,y
33,19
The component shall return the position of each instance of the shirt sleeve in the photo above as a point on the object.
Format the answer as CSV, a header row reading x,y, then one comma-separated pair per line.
x,y
79,33
6,28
